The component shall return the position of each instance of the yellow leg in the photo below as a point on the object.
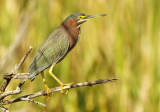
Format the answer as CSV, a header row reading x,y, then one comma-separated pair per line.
x,y
45,84
59,81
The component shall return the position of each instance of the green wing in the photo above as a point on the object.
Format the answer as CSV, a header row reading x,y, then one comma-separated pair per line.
x,y
53,50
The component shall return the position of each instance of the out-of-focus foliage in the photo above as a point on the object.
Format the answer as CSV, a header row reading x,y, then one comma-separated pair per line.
x,y
123,44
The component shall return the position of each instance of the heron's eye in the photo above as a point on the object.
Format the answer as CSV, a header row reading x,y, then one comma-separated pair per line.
x,y
81,17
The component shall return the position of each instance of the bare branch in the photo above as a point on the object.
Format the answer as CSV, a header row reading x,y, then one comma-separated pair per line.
x,y
4,109
28,97
8,76
52,90
16,76
21,76
17,91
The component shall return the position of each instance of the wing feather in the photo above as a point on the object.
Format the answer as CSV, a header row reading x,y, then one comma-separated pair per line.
x,y
53,49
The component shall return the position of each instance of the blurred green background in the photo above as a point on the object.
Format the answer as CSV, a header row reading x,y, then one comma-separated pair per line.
x,y
123,44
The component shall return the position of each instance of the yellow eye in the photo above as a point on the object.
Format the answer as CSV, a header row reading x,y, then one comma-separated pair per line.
x,y
81,17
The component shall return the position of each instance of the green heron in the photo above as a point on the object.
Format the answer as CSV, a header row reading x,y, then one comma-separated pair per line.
x,y
58,44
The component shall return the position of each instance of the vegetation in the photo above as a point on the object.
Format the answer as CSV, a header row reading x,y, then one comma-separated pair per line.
x,y
123,44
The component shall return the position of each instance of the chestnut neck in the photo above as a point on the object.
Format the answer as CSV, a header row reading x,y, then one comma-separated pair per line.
x,y
71,26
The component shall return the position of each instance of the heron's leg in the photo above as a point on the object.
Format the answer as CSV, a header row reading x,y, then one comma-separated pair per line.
x,y
59,81
45,84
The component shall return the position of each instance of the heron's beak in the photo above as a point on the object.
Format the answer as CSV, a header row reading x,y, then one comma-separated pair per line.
x,y
93,16
87,17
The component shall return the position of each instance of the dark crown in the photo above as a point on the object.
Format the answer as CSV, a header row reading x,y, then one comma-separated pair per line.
x,y
73,16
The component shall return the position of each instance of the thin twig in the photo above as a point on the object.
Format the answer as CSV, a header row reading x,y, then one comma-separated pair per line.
x,y
29,100
52,90
22,61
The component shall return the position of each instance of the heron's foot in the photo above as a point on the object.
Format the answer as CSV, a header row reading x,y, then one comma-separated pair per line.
x,y
62,85
47,90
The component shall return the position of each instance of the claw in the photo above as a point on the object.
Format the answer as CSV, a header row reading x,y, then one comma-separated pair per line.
x,y
67,92
59,81
47,90
62,88
62,85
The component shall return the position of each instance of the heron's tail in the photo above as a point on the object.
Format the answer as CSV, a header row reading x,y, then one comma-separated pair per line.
x,y
31,77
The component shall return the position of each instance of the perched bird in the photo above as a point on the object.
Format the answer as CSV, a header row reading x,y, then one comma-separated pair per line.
x,y
58,44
